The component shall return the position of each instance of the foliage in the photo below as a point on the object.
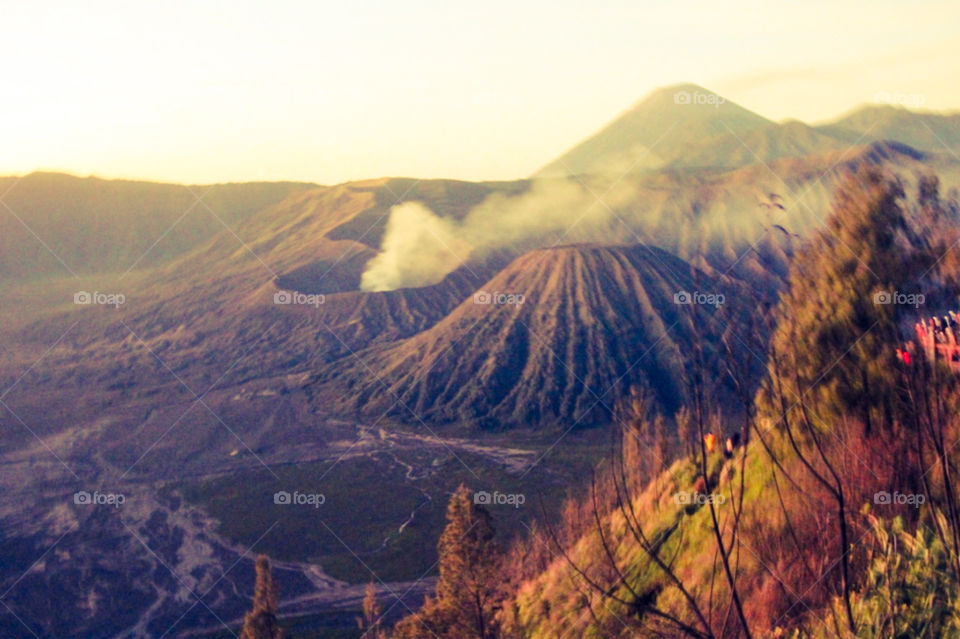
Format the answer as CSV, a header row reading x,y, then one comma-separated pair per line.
x,y
798,558
831,332
261,621
909,589
372,620
467,589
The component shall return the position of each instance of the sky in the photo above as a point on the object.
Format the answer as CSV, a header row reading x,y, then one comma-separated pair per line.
x,y
203,92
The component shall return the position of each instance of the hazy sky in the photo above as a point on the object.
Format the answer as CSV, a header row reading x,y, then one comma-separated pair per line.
x,y
331,91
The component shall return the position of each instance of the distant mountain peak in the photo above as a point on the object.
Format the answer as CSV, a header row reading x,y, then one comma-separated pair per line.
x,y
676,91
655,132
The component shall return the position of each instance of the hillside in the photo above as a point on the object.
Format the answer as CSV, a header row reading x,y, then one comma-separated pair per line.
x,y
53,224
775,586
765,144
925,131
682,531
593,322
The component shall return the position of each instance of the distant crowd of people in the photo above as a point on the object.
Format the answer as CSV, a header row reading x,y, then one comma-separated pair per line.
x,y
937,336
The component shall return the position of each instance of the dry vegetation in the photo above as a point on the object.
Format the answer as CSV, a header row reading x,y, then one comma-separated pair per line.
x,y
789,535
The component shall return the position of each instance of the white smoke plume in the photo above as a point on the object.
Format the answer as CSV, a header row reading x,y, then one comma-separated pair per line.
x,y
681,215
419,247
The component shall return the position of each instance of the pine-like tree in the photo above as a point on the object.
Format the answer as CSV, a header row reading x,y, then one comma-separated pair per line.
x,y
836,323
468,587
372,622
261,621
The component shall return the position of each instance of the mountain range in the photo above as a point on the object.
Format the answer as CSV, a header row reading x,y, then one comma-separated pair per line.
x,y
688,127
247,338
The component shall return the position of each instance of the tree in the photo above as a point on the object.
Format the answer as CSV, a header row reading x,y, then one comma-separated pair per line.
x,y
261,621
839,316
832,363
372,621
468,590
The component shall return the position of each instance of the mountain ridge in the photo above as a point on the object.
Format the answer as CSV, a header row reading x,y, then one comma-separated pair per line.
x,y
570,322
685,126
